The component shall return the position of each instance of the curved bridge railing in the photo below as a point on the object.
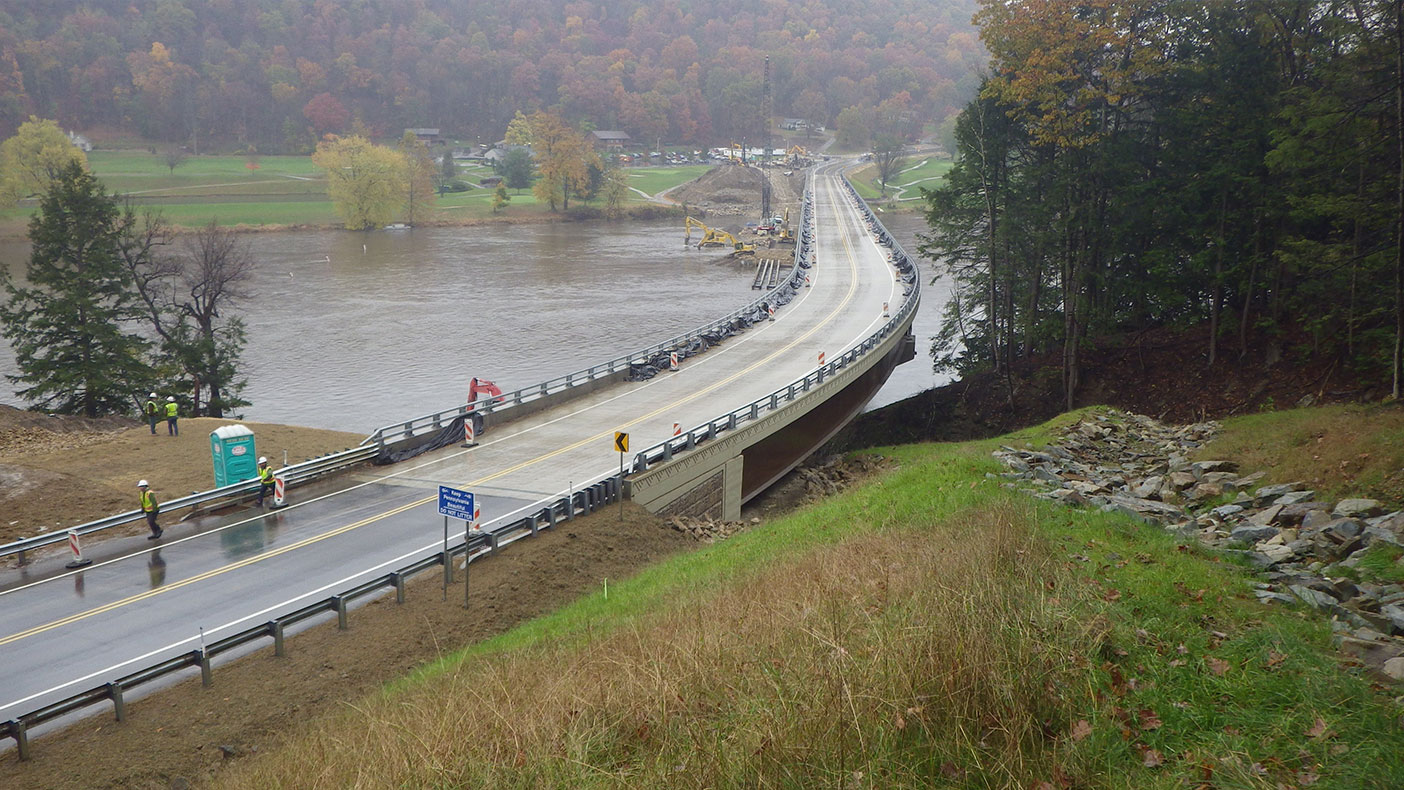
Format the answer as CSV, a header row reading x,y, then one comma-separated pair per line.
x,y
541,515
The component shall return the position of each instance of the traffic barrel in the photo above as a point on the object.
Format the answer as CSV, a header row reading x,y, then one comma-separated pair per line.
x,y
821,359
477,513
885,313
677,429
280,488
469,437
807,284
73,546
673,361
771,312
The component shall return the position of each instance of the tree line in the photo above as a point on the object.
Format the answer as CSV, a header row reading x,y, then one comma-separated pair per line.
x,y
282,73
1139,163
113,305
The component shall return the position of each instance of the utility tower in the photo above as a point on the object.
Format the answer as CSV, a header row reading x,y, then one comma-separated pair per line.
x,y
765,140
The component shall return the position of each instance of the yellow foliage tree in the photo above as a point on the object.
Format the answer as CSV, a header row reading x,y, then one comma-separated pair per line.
x,y
365,181
33,157
420,170
563,157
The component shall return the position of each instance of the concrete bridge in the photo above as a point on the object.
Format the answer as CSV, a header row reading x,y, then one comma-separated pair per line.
x,y
755,405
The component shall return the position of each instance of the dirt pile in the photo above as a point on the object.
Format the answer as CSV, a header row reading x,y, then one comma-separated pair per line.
x,y
731,190
62,471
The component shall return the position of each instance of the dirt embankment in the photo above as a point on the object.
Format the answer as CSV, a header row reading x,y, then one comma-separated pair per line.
x,y
60,471
735,191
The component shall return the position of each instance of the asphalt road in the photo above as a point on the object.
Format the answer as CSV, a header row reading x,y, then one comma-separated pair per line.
x,y
65,631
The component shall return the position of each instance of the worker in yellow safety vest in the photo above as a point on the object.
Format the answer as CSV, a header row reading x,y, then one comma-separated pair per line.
x,y
149,508
265,481
171,411
153,412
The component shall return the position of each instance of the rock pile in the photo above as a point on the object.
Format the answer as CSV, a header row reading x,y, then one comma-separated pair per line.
x,y
706,530
1138,466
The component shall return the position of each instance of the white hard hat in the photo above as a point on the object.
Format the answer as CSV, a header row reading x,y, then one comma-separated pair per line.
x,y
170,397
143,484
263,459
152,395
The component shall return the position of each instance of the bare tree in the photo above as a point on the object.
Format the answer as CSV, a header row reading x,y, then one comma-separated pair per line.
x,y
173,158
887,153
188,297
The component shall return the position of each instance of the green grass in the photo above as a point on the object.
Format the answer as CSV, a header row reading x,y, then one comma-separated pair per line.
x,y
656,179
927,628
1348,450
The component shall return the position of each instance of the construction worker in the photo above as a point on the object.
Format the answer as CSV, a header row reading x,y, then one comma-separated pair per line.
x,y
171,411
265,481
149,508
153,412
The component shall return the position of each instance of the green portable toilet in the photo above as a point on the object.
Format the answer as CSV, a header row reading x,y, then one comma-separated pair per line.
x,y
233,453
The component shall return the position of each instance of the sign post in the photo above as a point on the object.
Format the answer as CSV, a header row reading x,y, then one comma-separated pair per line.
x,y
456,503
621,443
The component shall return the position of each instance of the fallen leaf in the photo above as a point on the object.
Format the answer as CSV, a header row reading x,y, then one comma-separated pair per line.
x,y
1152,758
1181,649
1275,659
1318,729
900,723
1217,665
1149,719
1080,730
951,771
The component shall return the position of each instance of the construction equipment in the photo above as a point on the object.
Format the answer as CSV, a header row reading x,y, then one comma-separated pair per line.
x,y
796,153
787,235
711,237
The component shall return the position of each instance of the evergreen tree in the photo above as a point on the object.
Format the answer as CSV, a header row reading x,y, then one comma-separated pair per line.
x,y
68,326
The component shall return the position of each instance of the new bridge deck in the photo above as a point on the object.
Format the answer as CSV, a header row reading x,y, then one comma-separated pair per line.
x,y
64,632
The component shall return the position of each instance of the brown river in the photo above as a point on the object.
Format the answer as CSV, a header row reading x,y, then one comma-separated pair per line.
x,y
352,331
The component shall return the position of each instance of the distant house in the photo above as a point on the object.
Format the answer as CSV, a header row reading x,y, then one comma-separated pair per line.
x,y
791,124
609,140
498,153
427,136
490,181
80,142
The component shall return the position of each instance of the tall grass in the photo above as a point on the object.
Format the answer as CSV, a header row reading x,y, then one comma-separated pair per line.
x,y
879,661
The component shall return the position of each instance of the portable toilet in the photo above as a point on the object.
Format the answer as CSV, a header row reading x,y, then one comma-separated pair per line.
x,y
233,453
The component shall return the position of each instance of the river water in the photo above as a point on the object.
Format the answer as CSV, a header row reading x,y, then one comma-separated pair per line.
x,y
351,331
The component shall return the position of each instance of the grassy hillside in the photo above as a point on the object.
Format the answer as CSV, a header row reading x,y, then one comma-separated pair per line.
x,y
929,628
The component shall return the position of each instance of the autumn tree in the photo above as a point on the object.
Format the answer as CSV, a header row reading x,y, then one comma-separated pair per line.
x,y
326,113
852,127
71,327
614,188
33,158
500,198
418,177
366,182
563,158
173,158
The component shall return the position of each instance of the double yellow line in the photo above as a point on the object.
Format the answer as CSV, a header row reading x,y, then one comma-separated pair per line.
x,y
73,618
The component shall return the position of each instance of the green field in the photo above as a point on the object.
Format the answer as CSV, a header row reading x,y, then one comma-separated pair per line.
x,y
928,628
918,172
290,190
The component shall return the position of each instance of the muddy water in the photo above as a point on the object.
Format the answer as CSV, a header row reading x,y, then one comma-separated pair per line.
x,y
917,375
351,331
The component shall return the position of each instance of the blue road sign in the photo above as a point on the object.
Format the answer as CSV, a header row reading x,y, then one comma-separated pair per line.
x,y
455,503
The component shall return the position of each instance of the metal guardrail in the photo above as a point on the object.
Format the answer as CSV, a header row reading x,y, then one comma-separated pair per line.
x,y
907,272
544,515
294,474
435,421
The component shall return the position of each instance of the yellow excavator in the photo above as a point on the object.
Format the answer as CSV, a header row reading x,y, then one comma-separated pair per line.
x,y
714,237
710,237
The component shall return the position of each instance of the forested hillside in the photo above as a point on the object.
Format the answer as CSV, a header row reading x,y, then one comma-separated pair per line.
x,y
1136,165
279,73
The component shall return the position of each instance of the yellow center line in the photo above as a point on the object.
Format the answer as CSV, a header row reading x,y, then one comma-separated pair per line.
x,y
848,297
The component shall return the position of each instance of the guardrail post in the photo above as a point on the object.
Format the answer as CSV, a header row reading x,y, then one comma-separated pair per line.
x,y
409,429
690,442
206,672
731,421
119,706
17,729
668,450
276,626
755,410
711,430
399,580
340,603
774,401
543,389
